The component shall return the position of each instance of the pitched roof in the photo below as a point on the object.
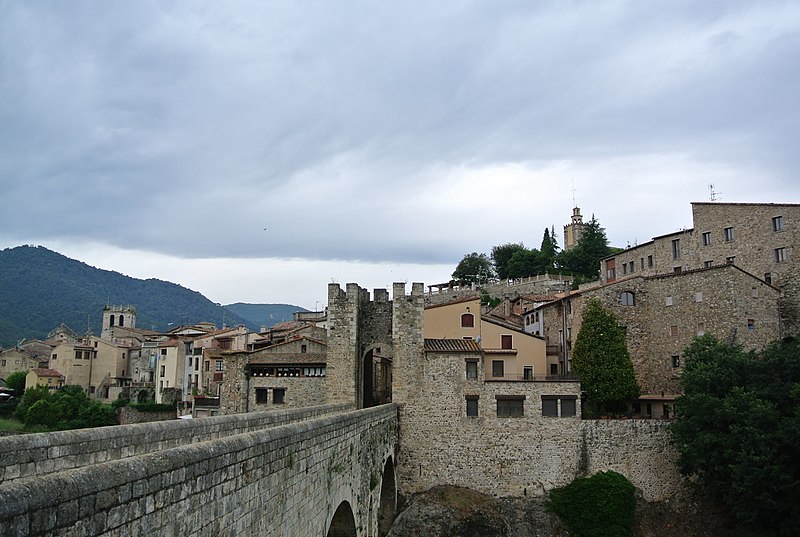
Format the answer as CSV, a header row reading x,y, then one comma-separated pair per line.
x,y
452,345
47,373
451,302
289,359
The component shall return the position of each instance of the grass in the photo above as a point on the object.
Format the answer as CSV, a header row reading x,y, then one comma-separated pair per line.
x,y
7,424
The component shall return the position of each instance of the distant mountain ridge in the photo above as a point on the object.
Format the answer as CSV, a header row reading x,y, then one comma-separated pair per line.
x,y
40,289
264,314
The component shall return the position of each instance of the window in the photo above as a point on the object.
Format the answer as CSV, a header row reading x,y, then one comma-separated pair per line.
x,y
649,261
197,363
676,360
262,396
208,365
780,255
698,296
568,407
677,270
303,349
510,406
549,406
729,234
472,370
777,223
278,396
163,372
472,406
673,330
506,342
676,249
3,363
730,260
767,278
554,369
701,329
631,265
467,320
624,269
627,298
708,264
497,368
569,307
566,403
669,301
754,292
641,263
55,356
611,274
219,365
527,373
751,324
706,237
163,352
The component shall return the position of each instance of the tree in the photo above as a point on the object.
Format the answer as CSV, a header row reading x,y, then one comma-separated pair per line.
x,y
474,268
16,381
549,248
603,505
585,257
526,263
601,360
501,255
737,427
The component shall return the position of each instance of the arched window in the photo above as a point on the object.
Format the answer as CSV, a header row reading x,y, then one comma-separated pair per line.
x,y
467,320
627,298
111,321
121,320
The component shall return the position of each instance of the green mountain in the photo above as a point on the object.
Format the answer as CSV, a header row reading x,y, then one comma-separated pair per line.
x,y
40,289
264,314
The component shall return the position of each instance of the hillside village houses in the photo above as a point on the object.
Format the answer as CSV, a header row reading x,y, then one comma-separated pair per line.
x,y
733,275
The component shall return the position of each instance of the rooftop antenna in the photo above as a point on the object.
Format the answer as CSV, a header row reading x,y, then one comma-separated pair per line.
x,y
712,192
574,201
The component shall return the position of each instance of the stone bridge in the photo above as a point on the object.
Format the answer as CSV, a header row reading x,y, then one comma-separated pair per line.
x,y
317,471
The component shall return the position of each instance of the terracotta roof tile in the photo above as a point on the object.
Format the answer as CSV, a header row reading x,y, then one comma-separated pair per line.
x,y
47,373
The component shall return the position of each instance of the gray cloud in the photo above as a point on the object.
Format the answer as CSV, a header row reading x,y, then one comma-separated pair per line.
x,y
348,129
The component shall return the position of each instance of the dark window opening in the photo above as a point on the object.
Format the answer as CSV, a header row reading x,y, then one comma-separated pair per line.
x,y
472,406
510,406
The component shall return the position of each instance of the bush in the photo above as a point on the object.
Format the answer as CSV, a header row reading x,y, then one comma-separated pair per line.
x,y
7,409
153,407
603,505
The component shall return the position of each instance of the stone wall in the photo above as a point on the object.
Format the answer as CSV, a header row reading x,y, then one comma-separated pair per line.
x,y
286,480
128,415
543,284
299,392
38,454
517,456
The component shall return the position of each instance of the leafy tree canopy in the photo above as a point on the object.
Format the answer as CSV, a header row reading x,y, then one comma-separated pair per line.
x,y
16,381
474,268
584,258
502,254
66,408
601,360
603,505
526,263
737,428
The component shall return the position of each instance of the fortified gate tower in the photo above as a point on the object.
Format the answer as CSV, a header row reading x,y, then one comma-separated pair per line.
x,y
374,346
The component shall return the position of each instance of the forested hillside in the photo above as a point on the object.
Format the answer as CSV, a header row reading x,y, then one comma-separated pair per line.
x,y
39,289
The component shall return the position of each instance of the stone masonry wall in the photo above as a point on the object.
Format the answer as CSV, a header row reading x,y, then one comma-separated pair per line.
x,y
286,480
300,392
521,455
38,454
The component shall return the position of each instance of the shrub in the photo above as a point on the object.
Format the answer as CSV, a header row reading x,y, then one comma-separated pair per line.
x,y
153,407
603,505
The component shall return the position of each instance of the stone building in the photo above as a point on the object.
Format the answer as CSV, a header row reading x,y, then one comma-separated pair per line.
x,y
761,238
53,380
663,313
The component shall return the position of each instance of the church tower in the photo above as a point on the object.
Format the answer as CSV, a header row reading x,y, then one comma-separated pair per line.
x,y
574,230
117,316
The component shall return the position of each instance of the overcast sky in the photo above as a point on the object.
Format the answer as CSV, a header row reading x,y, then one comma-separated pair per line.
x,y
256,151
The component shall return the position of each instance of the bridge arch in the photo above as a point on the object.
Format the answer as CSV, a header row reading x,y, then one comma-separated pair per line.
x,y
388,501
343,523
